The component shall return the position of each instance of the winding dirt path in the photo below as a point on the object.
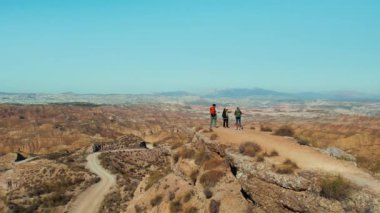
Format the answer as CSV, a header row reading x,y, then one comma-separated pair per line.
x,y
305,157
91,199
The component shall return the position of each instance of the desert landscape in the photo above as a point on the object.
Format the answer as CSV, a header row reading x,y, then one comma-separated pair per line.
x,y
189,106
162,157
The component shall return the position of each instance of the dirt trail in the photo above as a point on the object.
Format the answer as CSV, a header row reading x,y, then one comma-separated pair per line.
x,y
91,199
305,157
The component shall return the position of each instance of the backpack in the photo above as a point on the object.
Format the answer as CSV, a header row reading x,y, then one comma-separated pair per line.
x,y
212,111
238,113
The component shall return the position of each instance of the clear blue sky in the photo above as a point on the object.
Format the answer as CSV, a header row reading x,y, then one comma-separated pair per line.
x,y
194,45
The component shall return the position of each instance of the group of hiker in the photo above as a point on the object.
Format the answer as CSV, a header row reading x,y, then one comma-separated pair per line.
x,y
225,116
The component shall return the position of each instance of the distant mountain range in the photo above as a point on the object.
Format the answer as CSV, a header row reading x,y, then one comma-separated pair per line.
x,y
186,97
263,93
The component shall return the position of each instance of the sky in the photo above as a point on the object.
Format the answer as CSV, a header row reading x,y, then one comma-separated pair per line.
x,y
193,45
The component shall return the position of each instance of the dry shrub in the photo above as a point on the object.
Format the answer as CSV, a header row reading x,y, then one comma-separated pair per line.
x,y
156,201
252,128
138,209
214,136
194,176
284,131
290,163
191,209
188,196
175,206
372,165
287,167
186,153
214,206
175,157
171,196
176,145
265,129
208,130
208,193
303,141
249,149
335,188
211,178
56,199
274,153
198,128
260,158
201,157
112,201
155,176
212,164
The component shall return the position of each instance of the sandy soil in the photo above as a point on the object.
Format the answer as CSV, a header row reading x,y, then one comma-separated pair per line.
x,y
305,157
91,199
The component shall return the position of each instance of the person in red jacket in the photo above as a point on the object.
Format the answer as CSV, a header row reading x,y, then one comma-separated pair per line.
x,y
213,116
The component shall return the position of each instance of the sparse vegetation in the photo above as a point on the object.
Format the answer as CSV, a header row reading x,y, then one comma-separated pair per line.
x,y
155,176
265,129
214,206
194,176
213,163
176,145
249,149
260,158
111,202
188,196
175,206
303,141
208,130
186,153
273,153
208,193
287,167
213,136
171,196
372,165
335,188
156,200
201,157
252,128
191,209
284,131
211,178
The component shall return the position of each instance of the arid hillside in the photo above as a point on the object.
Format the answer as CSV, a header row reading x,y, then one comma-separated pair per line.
x,y
164,158
42,129
356,135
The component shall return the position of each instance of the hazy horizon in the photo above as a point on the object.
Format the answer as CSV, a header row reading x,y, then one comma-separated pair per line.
x,y
147,47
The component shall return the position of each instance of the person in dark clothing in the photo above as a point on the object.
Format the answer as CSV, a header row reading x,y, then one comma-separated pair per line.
x,y
225,118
